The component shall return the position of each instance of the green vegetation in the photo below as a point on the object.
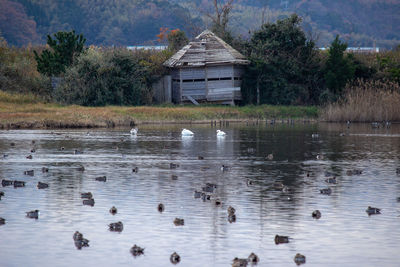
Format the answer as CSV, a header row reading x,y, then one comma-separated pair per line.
x,y
66,46
284,65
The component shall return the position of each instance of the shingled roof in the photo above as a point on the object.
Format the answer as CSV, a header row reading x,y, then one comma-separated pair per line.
x,y
206,49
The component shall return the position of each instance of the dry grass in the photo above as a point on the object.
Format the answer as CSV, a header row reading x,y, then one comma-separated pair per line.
x,y
19,111
366,101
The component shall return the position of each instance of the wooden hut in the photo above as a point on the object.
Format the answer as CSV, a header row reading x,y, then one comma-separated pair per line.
x,y
206,70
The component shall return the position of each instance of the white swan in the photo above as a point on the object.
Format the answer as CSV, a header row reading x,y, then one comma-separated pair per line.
x,y
134,131
220,133
186,132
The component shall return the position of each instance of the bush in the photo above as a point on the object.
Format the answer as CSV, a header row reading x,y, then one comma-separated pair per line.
x,y
111,77
18,72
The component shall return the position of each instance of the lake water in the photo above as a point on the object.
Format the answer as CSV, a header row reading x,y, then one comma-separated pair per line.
x,y
344,236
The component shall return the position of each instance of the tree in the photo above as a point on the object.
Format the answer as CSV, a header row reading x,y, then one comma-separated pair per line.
x,y
66,46
220,18
339,68
177,39
284,65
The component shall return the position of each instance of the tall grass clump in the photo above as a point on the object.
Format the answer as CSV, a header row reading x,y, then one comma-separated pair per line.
x,y
18,72
366,101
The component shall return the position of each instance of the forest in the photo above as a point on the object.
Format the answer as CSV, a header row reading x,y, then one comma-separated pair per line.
x,y
134,22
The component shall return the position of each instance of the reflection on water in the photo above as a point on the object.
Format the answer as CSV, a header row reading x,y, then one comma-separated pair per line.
x,y
344,235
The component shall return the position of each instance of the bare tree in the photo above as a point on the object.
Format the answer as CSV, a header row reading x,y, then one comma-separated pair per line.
x,y
219,14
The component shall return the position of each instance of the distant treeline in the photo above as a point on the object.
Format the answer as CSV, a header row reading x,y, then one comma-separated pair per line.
x,y
286,69
134,22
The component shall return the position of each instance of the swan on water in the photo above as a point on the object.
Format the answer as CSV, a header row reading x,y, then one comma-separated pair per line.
x,y
186,132
220,133
134,131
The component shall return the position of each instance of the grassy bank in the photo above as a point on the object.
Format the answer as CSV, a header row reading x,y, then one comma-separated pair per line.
x,y
26,111
366,102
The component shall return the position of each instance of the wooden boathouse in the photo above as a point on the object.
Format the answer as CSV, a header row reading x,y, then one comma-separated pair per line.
x,y
206,70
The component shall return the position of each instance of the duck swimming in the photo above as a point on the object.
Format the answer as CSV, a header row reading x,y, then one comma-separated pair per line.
x,y
116,227
113,210
370,210
41,185
19,183
331,180
34,214
160,207
175,258
280,239
2,221
87,195
80,241
299,259
316,214
325,191
136,250
101,179
186,132
88,202
239,262
253,258
30,172
179,222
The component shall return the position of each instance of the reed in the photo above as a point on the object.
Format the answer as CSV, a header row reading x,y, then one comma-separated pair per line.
x,y
366,101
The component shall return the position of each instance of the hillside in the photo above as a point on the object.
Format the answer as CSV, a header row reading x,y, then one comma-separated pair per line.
x,y
103,22
128,22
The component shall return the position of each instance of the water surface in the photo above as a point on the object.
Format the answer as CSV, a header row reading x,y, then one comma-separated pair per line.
x,y
344,236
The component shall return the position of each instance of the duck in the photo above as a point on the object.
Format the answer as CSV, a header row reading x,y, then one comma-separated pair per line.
x,y
160,207
279,185
205,197
331,180
218,202
81,168
136,250
5,182
249,182
299,259
2,221
101,179
186,132
87,195
41,185
325,191
253,258
33,150
113,210
224,168
116,227
175,258
88,202
280,239
270,157
1,194
77,152
231,218
30,173
208,189
174,177
29,157
179,222
231,210
44,169
80,241
134,131
33,214
398,171
314,135
136,169
316,214
197,194
286,189
19,183
370,210
239,262
173,165
220,133
320,157
200,157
